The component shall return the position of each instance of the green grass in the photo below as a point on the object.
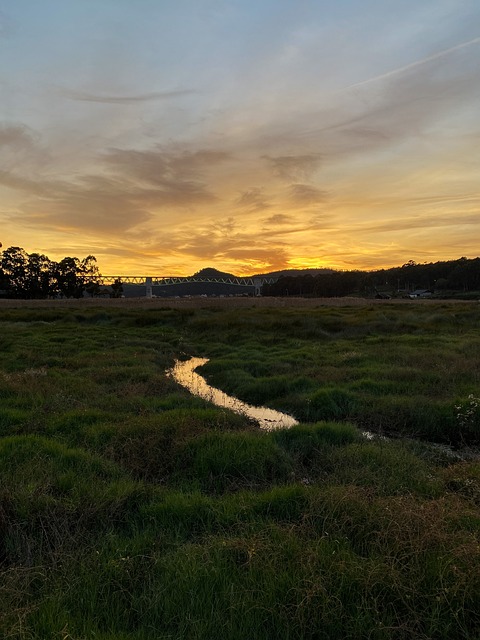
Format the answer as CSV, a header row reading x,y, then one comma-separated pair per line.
x,y
130,509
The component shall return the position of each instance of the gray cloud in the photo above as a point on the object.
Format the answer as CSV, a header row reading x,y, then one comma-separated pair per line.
x,y
26,185
420,105
278,219
395,108
16,136
94,204
84,96
188,162
177,176
283,232
225,240
138,183
306,194
224,227
21,155
294,167
422,222
282,226
272,257
247,251
253,199
417,63
442,198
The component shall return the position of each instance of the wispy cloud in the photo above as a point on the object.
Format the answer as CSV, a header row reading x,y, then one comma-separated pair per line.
x,y
431,222
339,134
95,204
171,170
84,96
294,167
127,192
415,64
278,219
254,199
16,136
305,194
25,185
412,102
227,241
251,254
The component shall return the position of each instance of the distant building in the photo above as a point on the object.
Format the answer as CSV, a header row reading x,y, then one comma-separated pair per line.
x,y
420,293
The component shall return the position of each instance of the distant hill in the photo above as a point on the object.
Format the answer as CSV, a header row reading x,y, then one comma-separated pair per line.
x,y
210,272
216,289
204,288
453,278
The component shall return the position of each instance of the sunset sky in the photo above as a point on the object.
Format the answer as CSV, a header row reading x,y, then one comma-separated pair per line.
x,y
164,136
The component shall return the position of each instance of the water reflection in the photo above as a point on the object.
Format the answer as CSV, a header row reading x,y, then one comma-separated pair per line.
x,y
184,373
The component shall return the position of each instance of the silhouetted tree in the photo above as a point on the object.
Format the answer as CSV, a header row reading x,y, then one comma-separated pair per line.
x,y
454,275
68,278
39,277
90,275
116,289
14,263
34,275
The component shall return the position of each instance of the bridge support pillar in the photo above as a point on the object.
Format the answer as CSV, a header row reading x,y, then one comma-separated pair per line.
x,y
257,283
148,288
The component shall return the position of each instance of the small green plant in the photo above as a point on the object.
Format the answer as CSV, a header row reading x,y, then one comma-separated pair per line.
x,y
468,418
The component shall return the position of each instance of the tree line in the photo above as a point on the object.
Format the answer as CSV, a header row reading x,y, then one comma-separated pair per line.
x,y
35,276
453,277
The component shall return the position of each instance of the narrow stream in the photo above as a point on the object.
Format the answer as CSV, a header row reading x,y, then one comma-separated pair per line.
x,y
184,373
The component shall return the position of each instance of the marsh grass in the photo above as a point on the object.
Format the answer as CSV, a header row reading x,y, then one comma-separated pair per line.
x,y
132,510
227,461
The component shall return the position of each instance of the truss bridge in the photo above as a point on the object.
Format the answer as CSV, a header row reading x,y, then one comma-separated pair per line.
x,y
150,281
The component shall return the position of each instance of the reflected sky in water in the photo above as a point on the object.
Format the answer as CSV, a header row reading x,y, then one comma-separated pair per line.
x,y
184,373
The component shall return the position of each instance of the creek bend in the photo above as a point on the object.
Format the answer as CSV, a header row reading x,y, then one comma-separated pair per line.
x,y
184,373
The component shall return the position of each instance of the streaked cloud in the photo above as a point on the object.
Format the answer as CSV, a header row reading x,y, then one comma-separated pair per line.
x,y
175,172
434,221
16,136
341,136
305,194
84,96
294,167
254,199
24,185
107,206
417,63
278,219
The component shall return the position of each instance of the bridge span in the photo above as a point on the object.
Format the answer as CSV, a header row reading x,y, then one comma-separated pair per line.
x,y
150,281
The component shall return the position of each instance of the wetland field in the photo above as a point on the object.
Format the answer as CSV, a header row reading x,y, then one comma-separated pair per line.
x,y
131,509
